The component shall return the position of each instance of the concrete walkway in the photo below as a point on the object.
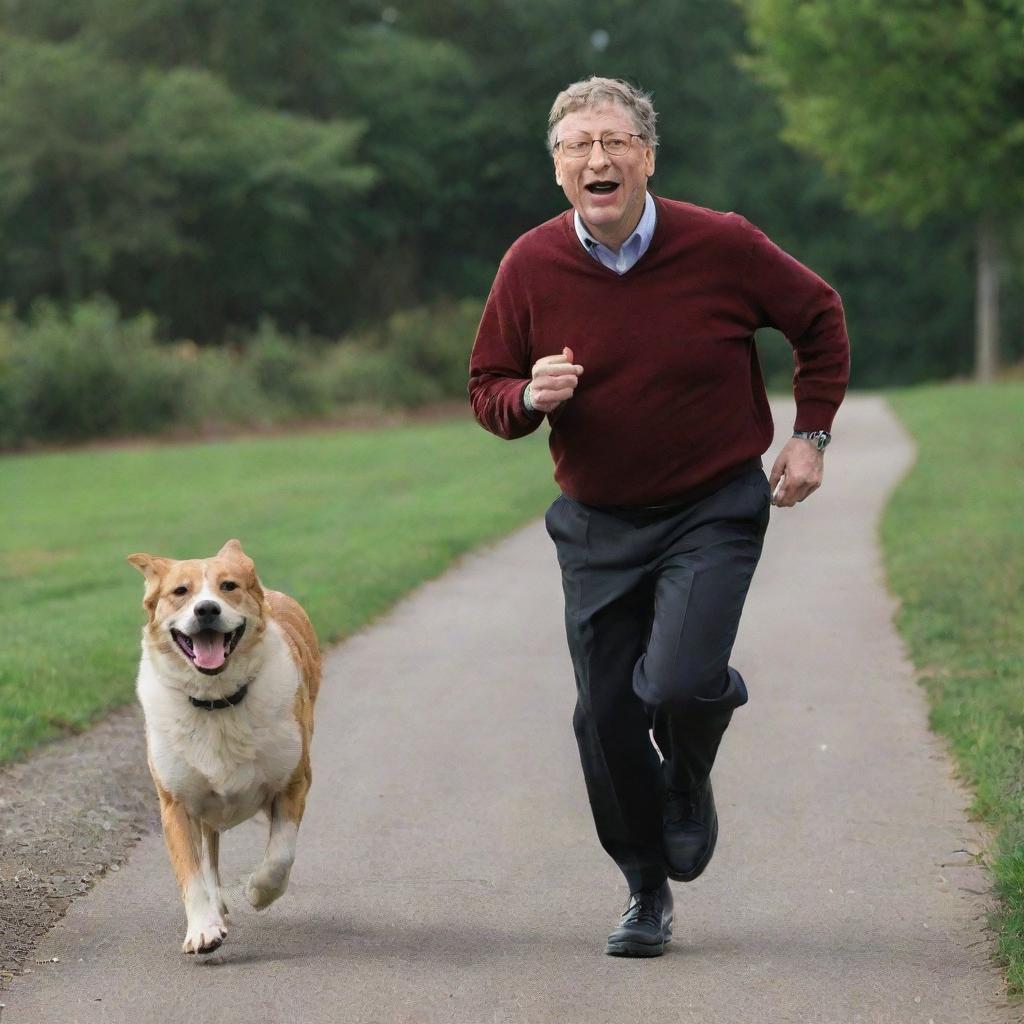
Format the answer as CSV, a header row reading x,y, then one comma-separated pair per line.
x,y
448,869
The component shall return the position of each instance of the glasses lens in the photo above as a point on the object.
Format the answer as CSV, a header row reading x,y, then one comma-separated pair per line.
x,y
577,146
616,144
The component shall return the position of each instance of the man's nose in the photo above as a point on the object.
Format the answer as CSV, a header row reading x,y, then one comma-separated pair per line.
x,y
598,157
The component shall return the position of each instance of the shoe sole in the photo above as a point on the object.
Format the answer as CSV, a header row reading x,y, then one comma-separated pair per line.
x,y
698,868
638,949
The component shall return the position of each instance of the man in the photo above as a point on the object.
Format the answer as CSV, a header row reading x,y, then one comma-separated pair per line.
x,y
628,321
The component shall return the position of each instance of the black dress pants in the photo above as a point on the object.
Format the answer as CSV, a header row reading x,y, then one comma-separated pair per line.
x,y
652,605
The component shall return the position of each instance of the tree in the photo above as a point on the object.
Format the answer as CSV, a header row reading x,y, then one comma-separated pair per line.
x,y
918,108
168,191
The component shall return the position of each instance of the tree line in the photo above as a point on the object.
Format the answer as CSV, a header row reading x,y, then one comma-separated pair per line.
x,y
218,163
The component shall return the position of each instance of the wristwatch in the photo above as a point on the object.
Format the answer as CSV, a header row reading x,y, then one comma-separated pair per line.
x,y
819,438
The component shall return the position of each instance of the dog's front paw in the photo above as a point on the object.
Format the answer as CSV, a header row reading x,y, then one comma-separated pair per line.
x,y
266,885
204,936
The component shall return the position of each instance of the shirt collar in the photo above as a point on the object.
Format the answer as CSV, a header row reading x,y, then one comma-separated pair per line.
x,y
641,236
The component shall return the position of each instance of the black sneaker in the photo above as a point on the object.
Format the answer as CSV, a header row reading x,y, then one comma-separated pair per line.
x,y
646,925
690,831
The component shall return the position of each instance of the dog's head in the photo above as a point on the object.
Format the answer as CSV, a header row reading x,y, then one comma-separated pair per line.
x,y
201,611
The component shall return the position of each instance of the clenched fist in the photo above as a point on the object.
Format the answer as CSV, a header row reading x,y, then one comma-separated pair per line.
x,y
554,380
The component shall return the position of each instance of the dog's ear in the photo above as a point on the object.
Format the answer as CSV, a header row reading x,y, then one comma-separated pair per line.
x,y
233,550
153,567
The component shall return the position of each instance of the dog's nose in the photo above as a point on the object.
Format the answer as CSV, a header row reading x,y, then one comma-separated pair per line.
x,y
207,610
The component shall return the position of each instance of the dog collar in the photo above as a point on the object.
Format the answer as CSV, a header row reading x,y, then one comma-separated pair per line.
x,y
227,702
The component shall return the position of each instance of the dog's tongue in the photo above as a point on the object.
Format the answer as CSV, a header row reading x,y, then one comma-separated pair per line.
x,y
208,646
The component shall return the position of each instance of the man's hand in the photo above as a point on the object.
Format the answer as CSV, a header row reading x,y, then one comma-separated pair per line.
x,y
554,380
801,467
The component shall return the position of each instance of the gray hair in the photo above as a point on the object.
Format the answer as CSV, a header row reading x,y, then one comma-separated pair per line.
x,y
594,92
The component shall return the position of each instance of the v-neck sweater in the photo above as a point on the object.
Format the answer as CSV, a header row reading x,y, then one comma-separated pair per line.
x,y
671,401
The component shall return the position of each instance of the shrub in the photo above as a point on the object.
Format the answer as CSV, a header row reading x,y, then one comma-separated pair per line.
x,y
221,390
89,374
357,374
68,376
435,341
285,370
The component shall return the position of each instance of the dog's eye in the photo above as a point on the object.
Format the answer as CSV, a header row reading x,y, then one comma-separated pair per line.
x,y
228,585
180,590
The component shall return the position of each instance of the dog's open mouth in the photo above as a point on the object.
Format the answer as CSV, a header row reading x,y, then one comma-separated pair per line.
x,y
209,649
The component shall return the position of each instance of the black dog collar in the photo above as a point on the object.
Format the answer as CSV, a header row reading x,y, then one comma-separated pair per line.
x,y
212,705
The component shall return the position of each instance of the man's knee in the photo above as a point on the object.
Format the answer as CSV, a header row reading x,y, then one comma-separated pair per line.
x,y
687,689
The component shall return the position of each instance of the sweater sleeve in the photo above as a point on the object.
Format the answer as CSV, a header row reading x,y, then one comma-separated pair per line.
x,y
500,367
786,295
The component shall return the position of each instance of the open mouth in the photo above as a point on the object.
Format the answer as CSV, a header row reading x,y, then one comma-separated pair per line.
x,y
208,649
602,188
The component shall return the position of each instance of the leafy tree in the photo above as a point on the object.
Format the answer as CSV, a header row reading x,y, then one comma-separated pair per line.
x,y
168,191
218,161
918,109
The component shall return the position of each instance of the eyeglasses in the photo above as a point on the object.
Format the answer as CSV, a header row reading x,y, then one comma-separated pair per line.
x,y
613,143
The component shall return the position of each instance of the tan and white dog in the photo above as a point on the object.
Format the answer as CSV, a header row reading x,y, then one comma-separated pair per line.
x,y
227,682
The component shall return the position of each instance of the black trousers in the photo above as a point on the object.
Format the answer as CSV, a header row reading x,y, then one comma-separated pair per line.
x,y
652,605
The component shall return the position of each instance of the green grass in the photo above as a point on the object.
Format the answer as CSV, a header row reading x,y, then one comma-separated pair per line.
x,y
345,522
954,545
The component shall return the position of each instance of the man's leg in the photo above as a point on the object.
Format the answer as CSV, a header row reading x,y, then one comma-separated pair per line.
x,y
684,675
608,605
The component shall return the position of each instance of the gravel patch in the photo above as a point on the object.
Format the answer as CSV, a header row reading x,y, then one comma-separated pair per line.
x,y
69,813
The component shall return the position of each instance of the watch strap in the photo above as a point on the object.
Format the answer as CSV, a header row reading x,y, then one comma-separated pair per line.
x,y
819,438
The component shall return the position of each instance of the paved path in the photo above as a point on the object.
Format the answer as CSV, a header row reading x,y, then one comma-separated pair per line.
x,y
448,869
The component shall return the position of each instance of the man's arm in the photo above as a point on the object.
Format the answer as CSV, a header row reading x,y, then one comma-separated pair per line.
x,y
499,367
788,296
500,371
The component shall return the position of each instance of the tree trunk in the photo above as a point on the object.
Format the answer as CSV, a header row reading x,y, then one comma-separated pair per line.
x,y
986,323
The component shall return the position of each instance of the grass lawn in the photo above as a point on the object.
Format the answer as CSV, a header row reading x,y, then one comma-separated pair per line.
x,y
346,522
954,546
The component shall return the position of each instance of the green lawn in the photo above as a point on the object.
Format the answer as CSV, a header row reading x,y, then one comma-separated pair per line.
x,y
954,546
346,522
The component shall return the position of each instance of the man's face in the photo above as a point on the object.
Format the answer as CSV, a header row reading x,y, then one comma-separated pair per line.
x,y
607,191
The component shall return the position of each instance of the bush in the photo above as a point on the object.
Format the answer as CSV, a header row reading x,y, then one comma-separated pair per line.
x,y
84,375
416,356
221,389
67,376
357,374
285,370
435,341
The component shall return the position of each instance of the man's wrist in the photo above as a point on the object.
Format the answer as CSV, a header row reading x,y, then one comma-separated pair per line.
x,y
819,438
528,402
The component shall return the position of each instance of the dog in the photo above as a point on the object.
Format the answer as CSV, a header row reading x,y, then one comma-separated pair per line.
x,y
227,681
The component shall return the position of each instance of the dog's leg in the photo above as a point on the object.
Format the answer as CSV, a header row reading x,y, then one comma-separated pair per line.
x,y
270,879
184,838
211,867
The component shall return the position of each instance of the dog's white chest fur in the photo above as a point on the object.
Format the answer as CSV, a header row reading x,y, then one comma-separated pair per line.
x,y
223,764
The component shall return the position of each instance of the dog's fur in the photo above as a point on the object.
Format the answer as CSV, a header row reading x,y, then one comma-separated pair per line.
x,y
214,768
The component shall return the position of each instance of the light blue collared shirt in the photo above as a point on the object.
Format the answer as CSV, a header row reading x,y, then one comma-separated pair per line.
x,y
632,248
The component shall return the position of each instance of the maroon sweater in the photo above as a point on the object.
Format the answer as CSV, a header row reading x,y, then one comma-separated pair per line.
x,y
671,401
